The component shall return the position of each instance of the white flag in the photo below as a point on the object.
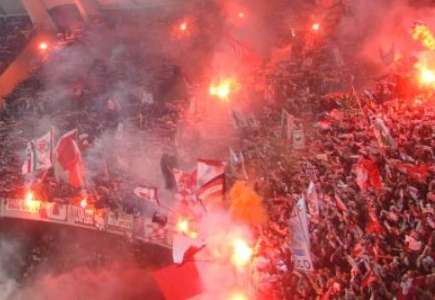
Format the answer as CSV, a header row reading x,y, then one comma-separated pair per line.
x,y
298,139
147,193
182,245
313,202
300,242
39,154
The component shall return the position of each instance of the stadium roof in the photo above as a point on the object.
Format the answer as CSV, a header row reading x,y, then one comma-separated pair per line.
x,y
14,7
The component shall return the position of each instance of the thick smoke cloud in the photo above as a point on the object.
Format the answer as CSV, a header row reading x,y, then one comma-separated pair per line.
x,y
376,26
47,262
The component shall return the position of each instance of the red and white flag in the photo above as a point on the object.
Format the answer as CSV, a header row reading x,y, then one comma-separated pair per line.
x,y
179,282
39,154
148,194
185,181
210,180
383,134
184,248
373,225
339,203
68,165
368,175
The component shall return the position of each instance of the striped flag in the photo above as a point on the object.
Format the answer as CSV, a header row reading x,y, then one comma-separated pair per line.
x,y
147,193
39,154
210,180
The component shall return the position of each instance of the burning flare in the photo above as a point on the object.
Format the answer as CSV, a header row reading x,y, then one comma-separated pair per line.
x,y
30,203
423,34
238,296
242,253
315,27
43,46
183,226
426,76
83,203
222,89
183,26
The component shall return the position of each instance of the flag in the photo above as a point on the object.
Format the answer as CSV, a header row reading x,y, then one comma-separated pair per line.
x,y
148,194
184,248
287,125
179,282
339,203
68,160
185,181
373,225
412,243
210,180
368,175
300,242
242,51
39,154
237,163
368,279
298,139
313,202
419,172
239,121
382,133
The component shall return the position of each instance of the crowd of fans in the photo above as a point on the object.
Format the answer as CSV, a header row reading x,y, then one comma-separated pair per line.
x,y
371,240
14,32
114,101
373,237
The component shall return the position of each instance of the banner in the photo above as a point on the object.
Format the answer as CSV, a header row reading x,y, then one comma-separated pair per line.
x,y
81,216
56,211
144,229
298,139
300,242
121,223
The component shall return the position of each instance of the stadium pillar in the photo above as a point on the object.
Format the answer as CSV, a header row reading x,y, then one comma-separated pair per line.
x,y
88,9
38,13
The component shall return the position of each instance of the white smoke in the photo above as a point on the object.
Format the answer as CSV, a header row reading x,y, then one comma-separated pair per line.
x,y
8,254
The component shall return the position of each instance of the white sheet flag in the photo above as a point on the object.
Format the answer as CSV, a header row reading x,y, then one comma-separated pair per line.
x,y
300,241
39,154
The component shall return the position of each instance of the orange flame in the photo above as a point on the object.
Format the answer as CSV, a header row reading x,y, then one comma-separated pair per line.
x,y
242,253
423,34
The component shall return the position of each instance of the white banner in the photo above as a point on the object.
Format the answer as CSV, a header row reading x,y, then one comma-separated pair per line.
x,y
90,218
81,216
300,242
122,223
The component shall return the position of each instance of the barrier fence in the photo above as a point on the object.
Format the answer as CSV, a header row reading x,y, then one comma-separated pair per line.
x,y
139,228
